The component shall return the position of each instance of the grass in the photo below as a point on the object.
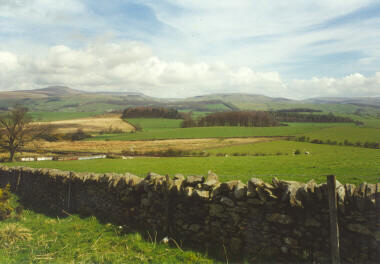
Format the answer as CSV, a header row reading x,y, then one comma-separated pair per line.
x,y
351,133
218,132
285,148
83,240
349,164
57,116
155,123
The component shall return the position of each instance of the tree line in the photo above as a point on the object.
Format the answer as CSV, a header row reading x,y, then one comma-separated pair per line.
x,y
151,112
325,118
233,118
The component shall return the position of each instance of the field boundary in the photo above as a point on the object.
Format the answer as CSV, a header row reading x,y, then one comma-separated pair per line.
x,y
281,220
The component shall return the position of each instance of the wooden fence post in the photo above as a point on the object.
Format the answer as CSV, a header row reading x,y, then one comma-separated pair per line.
x,y
333,210
377,203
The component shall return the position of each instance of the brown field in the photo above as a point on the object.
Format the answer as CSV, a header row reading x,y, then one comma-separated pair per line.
x,y
90,124
143,146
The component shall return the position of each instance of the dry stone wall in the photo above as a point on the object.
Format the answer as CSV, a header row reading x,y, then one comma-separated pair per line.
x,y
283,221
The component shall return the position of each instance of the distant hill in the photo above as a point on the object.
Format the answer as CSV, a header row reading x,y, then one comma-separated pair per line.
x,y
56,90
240,97
66,99
360,101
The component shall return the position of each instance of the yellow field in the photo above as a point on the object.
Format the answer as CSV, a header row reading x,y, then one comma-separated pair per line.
x,y
90,124
144,146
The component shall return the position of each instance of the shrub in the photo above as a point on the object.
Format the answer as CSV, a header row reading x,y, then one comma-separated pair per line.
x,y
5,208
138,127
297,152
111,130
12,233
78,135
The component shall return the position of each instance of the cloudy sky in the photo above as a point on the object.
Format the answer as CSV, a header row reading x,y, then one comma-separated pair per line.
x,y
179,48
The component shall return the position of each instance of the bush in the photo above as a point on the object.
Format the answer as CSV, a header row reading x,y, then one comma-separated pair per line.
x,y
111,130
12,233
5,208
78,135
297,152
138,127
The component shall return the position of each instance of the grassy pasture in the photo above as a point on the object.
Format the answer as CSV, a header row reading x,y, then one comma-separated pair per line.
x,y
155,123
218,132
351,133
57,116
85,240
349,164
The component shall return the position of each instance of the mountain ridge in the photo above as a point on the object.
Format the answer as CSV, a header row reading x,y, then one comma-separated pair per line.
x,y
63,98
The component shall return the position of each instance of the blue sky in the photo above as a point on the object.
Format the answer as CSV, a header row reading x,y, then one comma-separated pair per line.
x,y
181,48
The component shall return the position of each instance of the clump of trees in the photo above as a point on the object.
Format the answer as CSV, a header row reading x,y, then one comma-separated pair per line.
x,y
151,112
77,135
233,118
285,116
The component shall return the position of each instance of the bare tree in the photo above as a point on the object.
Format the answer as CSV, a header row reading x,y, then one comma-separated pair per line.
x,y
15,130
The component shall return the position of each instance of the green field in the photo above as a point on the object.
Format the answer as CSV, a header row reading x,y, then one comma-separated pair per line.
x,y
56,116
349,164
148,124
218,132
84,240
350,133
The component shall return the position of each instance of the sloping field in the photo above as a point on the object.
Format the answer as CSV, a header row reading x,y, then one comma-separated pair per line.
x,y
91,124
143,146
220,132
341,133
349,164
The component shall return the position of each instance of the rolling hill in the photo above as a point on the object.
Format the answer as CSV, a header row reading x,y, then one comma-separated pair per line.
x,y
65,99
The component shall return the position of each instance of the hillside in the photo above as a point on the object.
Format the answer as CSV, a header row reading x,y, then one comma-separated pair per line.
x,y
65,99
360,101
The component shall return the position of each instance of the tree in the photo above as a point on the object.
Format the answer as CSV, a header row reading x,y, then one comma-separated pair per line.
x,y
16,129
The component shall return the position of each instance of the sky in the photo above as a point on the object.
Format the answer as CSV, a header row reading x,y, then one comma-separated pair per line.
x,y
178,48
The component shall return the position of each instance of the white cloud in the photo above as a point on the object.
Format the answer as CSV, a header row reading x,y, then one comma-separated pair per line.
x,y
351,85
132,66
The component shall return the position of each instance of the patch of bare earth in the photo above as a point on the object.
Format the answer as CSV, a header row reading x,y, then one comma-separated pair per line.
x,y
91,124
145,146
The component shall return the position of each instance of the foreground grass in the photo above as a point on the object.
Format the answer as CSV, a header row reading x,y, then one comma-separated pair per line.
x,y
74,240
349,164
216,132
